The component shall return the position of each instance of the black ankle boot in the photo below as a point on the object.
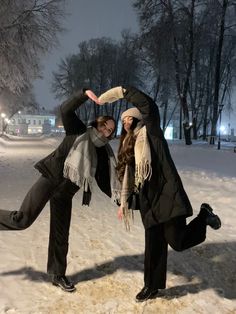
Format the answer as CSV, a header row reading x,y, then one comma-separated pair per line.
x,y
212,220
63,283
146,293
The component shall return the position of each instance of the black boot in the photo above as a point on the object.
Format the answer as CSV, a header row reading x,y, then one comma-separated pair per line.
x,y
146,293
63,283
212,220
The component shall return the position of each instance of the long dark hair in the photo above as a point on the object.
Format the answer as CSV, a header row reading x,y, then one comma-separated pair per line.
x,y
126,149
100,121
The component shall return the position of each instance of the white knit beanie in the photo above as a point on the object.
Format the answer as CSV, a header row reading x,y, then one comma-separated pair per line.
x,y
132,112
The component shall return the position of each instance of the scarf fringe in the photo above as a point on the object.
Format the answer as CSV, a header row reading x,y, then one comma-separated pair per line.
x,y
74,176
115,196
128,215
143,171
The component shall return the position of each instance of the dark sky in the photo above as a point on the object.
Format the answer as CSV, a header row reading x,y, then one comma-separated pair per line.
x,y
87,19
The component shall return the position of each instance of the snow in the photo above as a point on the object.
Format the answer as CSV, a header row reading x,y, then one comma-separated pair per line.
x,y
105,261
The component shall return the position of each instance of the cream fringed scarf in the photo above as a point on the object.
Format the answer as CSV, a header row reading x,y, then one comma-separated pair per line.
x,y
133,181
81,162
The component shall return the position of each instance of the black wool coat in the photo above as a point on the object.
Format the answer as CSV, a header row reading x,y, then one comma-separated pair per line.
x,y
52,166
163,196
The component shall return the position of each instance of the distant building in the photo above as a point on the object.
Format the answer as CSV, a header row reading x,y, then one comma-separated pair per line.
x,y
23,124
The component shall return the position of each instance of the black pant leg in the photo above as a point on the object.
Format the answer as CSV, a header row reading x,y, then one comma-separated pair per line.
x,y
181,236
60,208
155,257
31,207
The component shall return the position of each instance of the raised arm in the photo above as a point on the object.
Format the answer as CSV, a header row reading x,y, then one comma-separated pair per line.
x,y
70,120
72,124
146,106
143,102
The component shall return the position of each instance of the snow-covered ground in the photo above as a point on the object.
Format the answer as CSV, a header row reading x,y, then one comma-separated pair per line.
x,y
104,261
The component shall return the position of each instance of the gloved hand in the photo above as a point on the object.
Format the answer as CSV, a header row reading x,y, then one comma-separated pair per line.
x,y
111,95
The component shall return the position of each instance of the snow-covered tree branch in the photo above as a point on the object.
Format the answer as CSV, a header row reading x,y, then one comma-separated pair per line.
x,y
28,29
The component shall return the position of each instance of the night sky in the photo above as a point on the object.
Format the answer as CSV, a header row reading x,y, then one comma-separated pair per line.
x,y
86,19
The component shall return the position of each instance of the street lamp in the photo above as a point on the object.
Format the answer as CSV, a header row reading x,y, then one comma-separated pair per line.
x,y
219,129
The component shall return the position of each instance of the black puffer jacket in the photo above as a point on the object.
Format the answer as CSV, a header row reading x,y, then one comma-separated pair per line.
x,y
163,197
52,165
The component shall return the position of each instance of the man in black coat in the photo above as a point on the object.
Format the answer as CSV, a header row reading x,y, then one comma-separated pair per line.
x,y
53,185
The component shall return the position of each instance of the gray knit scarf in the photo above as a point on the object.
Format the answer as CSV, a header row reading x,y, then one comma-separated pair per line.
x,y
81,162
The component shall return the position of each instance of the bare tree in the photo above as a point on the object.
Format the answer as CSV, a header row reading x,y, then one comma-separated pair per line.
x,y
100,64
193,41
175,20
28,29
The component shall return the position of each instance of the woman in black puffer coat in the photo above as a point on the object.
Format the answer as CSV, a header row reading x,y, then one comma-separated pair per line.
x,y
54,186
150,183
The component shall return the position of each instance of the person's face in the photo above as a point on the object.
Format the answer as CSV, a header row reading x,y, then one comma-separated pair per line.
x,y
127,122
107,128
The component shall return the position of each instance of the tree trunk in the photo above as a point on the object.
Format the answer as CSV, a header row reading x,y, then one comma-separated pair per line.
x,y
186,125
187,133
194,127
164,116
204,134
217,71
180,123
182,93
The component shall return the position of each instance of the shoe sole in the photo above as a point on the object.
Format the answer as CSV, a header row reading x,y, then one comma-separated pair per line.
x,y
150,297
64,289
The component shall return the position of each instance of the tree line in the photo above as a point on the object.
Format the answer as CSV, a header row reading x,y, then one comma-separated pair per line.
x,y
183,56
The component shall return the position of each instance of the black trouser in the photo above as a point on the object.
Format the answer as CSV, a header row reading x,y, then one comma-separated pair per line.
x,y
179,236
60,197
60,208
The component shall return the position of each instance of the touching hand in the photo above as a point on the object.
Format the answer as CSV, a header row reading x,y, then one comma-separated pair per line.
x,y
92,96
